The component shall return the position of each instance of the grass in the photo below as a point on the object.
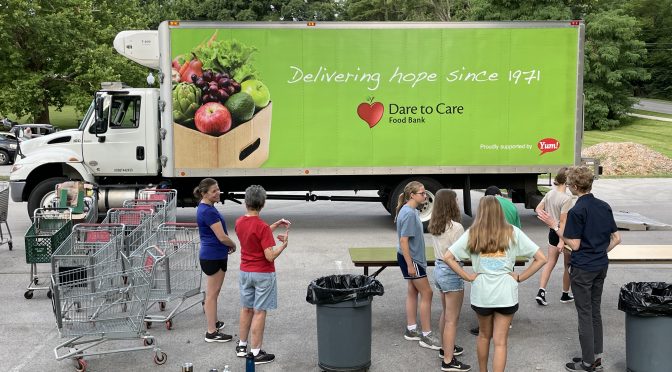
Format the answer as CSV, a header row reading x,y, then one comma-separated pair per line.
x,y
651,133
651,113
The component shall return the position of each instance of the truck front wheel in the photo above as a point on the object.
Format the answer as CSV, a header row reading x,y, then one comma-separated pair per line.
x,y
42,194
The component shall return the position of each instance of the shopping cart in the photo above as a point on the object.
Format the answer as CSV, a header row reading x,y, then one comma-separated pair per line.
x,y
167,195
178,276
137,223
50,228
4,205
90,245
93,306
157,207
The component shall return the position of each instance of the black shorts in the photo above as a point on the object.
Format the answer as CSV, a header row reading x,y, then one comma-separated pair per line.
x,y
553,238
419,270
487,311
211,267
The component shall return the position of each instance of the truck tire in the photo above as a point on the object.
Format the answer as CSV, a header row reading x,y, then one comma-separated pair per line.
x,y
39,194
431,187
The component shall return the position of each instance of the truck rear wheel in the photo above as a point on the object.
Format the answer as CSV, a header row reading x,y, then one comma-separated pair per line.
x,y
431,187
42,194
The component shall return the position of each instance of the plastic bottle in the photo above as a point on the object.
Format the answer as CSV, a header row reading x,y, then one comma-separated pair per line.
x,y
249,362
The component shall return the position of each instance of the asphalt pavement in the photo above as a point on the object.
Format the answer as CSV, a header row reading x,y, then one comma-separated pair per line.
x,y
542,338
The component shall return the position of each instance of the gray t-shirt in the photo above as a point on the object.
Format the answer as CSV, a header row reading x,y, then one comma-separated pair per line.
x,y
409,224
557,203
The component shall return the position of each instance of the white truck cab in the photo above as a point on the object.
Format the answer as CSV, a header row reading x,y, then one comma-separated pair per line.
x,y
124,143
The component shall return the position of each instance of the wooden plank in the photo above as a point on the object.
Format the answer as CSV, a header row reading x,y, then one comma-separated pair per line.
x,y
642,254
387,256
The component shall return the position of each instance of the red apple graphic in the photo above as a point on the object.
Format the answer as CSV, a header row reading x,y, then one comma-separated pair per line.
x,y
371,113
213,118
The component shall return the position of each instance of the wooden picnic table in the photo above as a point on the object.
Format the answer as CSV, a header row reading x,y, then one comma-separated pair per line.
x,y
387,256
641,254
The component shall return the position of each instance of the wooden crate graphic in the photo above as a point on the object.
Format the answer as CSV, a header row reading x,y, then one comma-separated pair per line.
x,y
245,146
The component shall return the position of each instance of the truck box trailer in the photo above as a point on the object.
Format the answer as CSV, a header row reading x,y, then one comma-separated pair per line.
x,y
326,106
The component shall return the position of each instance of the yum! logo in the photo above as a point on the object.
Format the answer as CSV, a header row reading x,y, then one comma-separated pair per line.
x,y
548,145
371,112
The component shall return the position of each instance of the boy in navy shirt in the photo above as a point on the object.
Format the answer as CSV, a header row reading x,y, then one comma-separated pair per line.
x,y
590,232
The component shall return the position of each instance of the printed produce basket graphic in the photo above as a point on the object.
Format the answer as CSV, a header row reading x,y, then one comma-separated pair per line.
x,y
221,110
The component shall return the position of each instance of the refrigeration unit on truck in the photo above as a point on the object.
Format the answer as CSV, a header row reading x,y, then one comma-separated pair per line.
x,y
310,107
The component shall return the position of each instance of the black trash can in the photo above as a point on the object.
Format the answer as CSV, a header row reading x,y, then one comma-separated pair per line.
x,y
648,326
344,320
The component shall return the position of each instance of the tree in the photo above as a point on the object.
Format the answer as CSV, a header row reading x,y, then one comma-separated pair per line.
x,y
613,59
656,19
56,52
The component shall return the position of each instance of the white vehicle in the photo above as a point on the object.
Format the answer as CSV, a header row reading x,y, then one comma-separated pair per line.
x,y
353,106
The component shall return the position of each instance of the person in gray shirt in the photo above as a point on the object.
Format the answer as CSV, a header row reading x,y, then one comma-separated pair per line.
x,y
413,264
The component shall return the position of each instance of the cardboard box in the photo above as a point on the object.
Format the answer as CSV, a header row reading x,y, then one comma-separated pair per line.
x,y
245,146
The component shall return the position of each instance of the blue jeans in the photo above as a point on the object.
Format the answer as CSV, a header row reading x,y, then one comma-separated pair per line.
x,y
445,278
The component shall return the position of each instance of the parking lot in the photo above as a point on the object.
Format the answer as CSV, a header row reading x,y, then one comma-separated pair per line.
x,y
542,339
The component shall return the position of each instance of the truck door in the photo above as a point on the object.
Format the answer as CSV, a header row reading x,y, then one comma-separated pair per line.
x,y
119,146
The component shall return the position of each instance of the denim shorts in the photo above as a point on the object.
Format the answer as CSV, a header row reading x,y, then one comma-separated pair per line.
x,y
258,291
445,278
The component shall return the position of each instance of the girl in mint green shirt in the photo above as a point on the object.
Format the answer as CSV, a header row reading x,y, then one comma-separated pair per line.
x,y
492,245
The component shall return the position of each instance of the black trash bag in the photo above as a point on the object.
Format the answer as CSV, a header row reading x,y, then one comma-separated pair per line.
x,y
646,299
335,289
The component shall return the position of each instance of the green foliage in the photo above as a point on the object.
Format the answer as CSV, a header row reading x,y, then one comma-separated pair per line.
x,y
656,19
613,56
396,10
520,10
56,52
651,133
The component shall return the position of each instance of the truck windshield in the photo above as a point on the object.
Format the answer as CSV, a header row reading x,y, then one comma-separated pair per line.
x,y
87,117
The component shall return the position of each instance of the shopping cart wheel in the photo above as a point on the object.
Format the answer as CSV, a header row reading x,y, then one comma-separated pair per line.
x,y
10,245
203,306
148,325
160,358
49,294
81,365
169,324
28,295
162,306
148,341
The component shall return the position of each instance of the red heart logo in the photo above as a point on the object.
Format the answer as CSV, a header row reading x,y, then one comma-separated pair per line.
x,y
371,113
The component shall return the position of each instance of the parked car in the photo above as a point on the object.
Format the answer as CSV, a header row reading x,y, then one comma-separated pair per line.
x,y
8,144
29,131
7,123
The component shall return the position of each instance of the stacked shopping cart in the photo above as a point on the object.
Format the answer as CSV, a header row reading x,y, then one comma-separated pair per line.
x,y
4,204
105,276
50,228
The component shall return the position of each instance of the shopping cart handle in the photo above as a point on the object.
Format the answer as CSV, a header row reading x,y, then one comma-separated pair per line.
x,y
179,224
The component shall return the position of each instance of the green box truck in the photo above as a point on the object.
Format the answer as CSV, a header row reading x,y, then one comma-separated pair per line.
x,y
327,106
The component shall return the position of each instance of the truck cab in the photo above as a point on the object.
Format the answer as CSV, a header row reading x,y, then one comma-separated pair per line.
x,y
123,142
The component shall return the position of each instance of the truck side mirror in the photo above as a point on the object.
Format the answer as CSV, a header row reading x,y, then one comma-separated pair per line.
x,y
102,120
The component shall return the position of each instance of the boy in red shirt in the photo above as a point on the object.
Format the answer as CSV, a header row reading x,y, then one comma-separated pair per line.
x,y
257,281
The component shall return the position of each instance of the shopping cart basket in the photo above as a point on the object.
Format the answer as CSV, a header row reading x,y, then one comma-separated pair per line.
x,y
50,228
89,245
91,309
137,225
177,278
4,205
167,195
157,207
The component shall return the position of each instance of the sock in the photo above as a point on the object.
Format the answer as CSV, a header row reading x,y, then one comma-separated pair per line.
x,y
542,289
426,333
598,356
255,352
585,364
242,343
411,327
565,292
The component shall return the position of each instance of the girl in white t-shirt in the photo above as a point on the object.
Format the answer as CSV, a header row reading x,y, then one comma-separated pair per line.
x,y
492,245
445,228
